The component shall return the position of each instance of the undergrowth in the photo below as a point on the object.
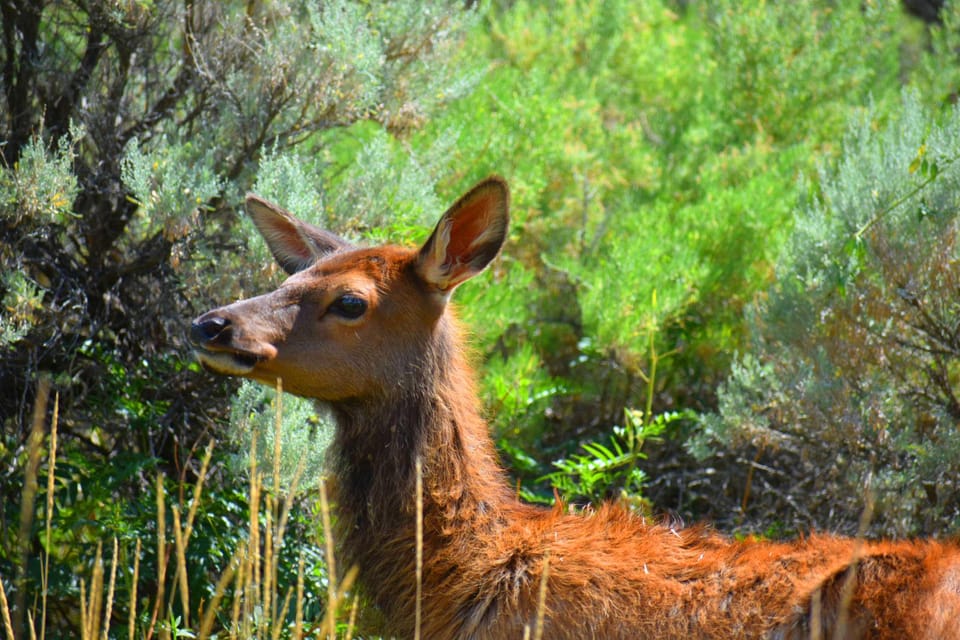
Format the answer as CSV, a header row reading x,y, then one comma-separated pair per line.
x,y
250,597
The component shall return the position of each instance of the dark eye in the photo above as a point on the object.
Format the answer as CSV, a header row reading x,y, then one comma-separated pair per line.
x,y
349,306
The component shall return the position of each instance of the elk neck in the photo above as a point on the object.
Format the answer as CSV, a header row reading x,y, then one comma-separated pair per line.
x,y
432,414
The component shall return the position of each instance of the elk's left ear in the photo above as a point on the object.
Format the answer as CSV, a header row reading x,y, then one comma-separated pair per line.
x,y
468,236
295,244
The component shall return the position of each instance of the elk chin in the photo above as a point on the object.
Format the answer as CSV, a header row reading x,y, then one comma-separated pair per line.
x,y
227,362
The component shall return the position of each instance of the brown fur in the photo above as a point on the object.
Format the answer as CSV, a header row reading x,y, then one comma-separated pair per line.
x,y
400,389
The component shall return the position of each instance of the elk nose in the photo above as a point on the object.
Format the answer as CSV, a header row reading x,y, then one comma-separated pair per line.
x,y
205,330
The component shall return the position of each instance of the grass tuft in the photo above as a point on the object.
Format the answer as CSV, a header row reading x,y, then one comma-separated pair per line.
x,y
249,602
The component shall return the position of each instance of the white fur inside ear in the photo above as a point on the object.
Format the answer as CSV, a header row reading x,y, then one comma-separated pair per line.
x,y
301,250
467,237
493,232
284,235
436,269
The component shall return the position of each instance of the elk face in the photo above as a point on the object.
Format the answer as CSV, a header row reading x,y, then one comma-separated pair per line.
x,y
350,323
327,331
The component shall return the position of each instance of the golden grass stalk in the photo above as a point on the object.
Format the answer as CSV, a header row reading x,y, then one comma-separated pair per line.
x,y
353,617
277,440
180,546
90,609
291,492
329,621
419,549
197,491
238,585
816,611
5,610
27,501
110,591
346,584
298,616
209,616
542,597
83,610
45,560
270,568
269,562
161,556
133,590
182,532
281,615
252,575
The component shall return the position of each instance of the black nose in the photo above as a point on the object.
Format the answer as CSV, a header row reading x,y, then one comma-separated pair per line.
x,y
205,330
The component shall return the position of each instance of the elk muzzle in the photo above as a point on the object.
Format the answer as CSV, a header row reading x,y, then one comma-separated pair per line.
x,y
212,336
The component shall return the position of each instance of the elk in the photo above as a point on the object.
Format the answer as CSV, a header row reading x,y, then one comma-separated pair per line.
x,y
370,333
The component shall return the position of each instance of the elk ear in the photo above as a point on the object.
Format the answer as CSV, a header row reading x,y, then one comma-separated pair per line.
x,y
295,244
468,236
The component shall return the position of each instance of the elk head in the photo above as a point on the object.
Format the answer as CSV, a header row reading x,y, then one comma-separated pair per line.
x,y
350,323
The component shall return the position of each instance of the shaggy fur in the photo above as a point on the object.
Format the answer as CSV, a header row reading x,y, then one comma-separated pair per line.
x,y
400,388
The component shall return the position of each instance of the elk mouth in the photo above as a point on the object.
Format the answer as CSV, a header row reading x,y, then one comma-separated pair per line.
x,y
231,363
214,338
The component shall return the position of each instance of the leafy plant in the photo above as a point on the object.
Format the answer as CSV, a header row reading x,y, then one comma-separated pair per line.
x,y
302,436
611,470
128,135
649,149
852,370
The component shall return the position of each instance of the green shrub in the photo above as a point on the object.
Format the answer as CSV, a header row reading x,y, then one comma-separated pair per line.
x,y
304,436
41,187
851,375
128,134
653,156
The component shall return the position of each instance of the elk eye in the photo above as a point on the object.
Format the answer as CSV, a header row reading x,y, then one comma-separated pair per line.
x,y
349,306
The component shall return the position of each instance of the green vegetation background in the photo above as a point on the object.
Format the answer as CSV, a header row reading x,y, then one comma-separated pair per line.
x,y
730,292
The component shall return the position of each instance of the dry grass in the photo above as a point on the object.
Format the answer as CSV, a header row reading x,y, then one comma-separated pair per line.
x,y
260,606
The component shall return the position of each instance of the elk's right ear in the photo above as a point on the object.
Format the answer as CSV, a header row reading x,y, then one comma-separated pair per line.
x,y
468,236
295,244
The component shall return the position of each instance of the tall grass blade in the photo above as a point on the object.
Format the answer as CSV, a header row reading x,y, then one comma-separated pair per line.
x,y
51,466
95,603
5,611
329,621
27,503
197,492
83,610
351,624
31,627
251,618
133,591
110,591
419,550
181,577
542,597
161,556
209,616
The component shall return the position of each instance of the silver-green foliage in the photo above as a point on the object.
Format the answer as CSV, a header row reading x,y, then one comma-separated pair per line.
x,y
304,434
854,368
41,187
36,195
19,306
357,181
286,72
170,183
